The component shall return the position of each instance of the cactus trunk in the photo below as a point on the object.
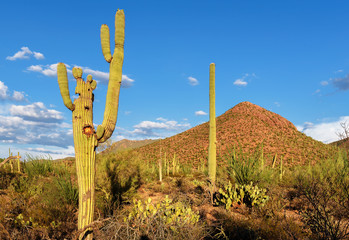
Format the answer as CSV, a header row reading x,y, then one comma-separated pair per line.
x,y
85,142
86,137
18,164
212,136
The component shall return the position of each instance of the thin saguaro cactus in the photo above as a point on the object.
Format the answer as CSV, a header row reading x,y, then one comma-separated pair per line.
x,y
212,135
86,136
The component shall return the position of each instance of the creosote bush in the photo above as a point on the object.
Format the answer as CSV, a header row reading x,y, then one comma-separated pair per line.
x,y
325,190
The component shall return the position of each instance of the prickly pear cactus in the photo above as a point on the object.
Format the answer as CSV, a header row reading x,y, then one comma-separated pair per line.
x,y
86,136
247,194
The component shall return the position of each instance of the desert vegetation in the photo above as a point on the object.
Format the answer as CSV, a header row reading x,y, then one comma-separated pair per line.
x,y
254,199
253,176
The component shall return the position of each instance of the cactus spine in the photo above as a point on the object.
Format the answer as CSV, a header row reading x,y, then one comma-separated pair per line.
x,y
212,136
86,137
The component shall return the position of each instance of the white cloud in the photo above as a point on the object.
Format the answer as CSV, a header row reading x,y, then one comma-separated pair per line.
x,y
152,129
103,77
47,150
18,96
151,125
35,68
5,95
22,130
277,104
99,76
126,82
326,131
38,55
47,70
36,112
161,119
243,80
240,82
3,90
25,53
200,113
193,81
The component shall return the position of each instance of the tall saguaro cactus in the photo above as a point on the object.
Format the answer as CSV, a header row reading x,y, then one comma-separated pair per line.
x,y
212,136
86,137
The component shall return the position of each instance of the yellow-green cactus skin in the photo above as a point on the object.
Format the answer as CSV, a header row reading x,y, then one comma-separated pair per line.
x,y
212,134
86,137
115,74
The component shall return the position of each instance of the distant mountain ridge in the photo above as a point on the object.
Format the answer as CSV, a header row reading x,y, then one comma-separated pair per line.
x,y
244,126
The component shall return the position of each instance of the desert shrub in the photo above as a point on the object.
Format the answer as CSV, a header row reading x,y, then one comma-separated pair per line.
x,y
324,187
248,194
244,168
165,220
6,178
68,191
118,178
324,212
38,166
21,184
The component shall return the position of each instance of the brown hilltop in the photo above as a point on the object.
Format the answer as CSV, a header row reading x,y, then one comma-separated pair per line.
x,y
246,126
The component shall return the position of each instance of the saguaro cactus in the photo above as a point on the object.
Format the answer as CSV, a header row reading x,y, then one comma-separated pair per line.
x,y
212,136
86,137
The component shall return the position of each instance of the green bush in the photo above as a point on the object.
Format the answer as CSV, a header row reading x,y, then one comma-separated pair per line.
x,y
324,187
67,190
117,179
245,168
38,166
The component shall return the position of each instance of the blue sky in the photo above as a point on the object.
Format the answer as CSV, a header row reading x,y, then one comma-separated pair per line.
x,y
290,57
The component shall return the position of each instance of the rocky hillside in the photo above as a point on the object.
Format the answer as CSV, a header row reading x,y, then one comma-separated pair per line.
x,y
245,127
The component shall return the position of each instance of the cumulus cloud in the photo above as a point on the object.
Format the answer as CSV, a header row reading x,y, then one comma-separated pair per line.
x,y
126,82
18,96
36,112
21,131
25,53
161,119
47,70
240,82
103,77
3,90
193,81
38,55
5,94
46,150
152,129
325,131
200,113
243,80
99,76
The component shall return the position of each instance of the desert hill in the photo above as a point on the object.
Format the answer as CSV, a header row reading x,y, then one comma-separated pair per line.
x,y
125,144
245,126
